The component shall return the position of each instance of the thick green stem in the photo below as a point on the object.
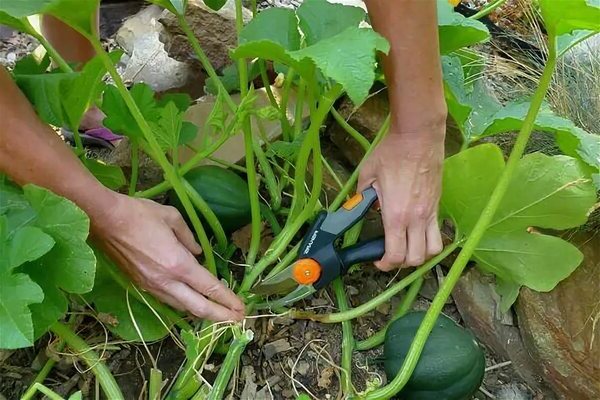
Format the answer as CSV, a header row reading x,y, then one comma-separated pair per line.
x,y
83,351
405,305
470,245
294,224
209,216
262,67
299,111
155,385
362,141
249,151
381,298
347,339
270,180
156,152
229,364
38,387
185,27
135,167
287,88
487,9
350,184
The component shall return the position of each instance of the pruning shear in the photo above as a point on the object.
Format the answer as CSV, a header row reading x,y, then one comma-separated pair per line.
x,y
320,261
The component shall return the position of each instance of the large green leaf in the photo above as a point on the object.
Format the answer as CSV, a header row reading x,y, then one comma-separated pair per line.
x,y
61,99
80,14
348,58
566,17
69,266
18,291
278,25
119,119
457,31
120,305
320,19
545,192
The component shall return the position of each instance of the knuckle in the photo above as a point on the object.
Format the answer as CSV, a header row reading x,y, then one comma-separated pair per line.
x,y
415,261
172,213
421,211
213,289
199,310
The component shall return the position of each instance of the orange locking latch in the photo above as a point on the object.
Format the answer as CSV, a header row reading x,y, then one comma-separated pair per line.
x,y
306,271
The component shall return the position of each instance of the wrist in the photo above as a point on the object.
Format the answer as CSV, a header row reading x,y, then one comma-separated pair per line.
x,y
429,125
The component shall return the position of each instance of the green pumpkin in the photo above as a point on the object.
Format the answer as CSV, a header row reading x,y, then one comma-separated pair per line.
x,y
451,366
225,192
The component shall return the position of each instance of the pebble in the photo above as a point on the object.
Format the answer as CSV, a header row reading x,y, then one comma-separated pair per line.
x,y
278,346
302,367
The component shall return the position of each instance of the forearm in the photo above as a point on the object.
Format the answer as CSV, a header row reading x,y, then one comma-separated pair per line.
x,y
413,67
30,152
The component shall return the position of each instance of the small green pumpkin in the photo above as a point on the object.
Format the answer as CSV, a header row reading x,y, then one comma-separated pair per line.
x,y
451,366
225,192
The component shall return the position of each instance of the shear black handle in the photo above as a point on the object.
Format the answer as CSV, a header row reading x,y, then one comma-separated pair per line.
x,y
371,250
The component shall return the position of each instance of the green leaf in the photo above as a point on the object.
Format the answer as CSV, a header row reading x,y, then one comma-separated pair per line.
x,y
216,118
79,93
565,42
175,6
230,78
564,17
508,291
457,31
545,192
44,92
111,299
348,58
30,65
181,100
14,23
111,176
277,25
320,19
76,396
119,119
69,266
571,139
286,150
188,132
168,127
80,14
28,244
215,4
17,291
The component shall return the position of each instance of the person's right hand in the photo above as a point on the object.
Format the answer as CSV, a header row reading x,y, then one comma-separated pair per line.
x,y
154,246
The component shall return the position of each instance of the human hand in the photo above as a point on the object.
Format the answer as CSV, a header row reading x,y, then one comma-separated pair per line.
x,y
154,246
406,172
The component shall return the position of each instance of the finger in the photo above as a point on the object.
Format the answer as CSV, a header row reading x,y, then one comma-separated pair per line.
x,y
170,300
365,179
395,248
182,232
434,239
207,284
199,306
415,254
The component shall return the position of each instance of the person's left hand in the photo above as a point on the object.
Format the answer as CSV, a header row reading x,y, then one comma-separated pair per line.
x,y
406,172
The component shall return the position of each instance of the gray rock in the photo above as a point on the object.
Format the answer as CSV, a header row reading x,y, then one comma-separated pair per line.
x,y
146,59
560,327
478,304
215,29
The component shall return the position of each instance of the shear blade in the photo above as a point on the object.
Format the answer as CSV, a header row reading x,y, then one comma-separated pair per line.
x,y
280,283
297,294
